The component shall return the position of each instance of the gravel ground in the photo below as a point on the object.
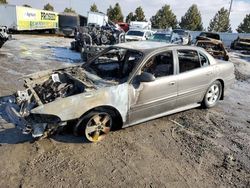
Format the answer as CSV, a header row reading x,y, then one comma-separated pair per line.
x,y
211,148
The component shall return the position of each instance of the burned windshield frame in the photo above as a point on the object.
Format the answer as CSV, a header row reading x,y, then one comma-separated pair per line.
x,y
114,63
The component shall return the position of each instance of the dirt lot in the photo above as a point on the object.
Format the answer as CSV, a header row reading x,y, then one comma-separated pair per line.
x,y
211,148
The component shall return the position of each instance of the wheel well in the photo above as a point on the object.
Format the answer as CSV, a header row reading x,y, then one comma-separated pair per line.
x,y
116,115
222,84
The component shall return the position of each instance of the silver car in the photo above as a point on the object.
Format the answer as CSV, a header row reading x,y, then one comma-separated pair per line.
x,y
124,85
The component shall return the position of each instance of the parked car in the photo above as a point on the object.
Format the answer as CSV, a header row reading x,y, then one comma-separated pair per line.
x,y
186,36
241,43
138,35
124,85
214,47
168,37
124,26
3,35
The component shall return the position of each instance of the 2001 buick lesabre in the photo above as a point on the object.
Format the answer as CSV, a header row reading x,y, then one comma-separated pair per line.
x,y
125,84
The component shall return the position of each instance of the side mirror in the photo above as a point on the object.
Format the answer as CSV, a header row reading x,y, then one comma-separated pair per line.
x,y
145,77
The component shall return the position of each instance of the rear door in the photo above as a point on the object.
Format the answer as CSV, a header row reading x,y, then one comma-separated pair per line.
x,y
194,76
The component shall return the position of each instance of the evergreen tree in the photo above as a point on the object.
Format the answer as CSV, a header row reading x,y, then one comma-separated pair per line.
x,y
115,14
130,17
164,18
139,14
244,27
220,22
93,8
48,7
69,10
3,2
192,19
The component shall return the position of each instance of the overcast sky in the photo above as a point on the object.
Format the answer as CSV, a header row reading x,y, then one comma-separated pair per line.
x,y
208,8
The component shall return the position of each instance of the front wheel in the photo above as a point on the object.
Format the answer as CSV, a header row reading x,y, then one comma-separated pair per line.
x,y
94,126
212,95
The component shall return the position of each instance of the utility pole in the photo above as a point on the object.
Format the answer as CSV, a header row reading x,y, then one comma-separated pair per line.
x,y
230,8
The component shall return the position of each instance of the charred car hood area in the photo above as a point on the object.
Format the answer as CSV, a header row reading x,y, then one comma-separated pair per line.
x,y
30,109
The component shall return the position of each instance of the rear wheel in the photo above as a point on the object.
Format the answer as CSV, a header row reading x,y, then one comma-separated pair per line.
x,y
94,126
212,95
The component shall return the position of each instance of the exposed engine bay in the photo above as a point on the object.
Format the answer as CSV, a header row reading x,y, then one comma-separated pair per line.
x,y
63,84
43,88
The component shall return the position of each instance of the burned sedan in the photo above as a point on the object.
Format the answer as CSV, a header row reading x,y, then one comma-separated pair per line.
x,y
214,47
124,85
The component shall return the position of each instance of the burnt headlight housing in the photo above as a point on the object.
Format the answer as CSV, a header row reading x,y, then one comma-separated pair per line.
x,y
43,118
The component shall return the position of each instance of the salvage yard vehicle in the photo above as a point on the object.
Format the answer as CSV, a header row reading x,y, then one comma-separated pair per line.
x,y
138,35
185,35
211,35
168,37
123,85
92,39
241,43
3,35
69,21
215,47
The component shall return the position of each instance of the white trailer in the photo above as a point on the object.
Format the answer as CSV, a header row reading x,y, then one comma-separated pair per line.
x,y
140,25
98,18
20,18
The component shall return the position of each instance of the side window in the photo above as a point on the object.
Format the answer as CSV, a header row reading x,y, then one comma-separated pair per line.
x,y
188,60
160,65
204,60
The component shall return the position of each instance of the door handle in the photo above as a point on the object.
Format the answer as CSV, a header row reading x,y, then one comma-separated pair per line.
x,y
171,83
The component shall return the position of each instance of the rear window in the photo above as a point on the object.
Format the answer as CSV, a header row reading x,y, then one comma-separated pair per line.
x,y
188,60
204,60
181,32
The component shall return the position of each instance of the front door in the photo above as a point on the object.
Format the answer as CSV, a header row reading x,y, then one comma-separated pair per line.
x,y
149,99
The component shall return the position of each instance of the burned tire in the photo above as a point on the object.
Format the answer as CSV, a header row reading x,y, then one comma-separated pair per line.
x,y
212,95
95,126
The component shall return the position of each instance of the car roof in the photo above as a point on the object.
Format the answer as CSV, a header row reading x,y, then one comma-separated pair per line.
x,y
142,45
153,45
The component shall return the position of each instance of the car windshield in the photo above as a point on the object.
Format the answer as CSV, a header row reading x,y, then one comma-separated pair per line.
x,y
181,32
161,37
135,33
114,64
